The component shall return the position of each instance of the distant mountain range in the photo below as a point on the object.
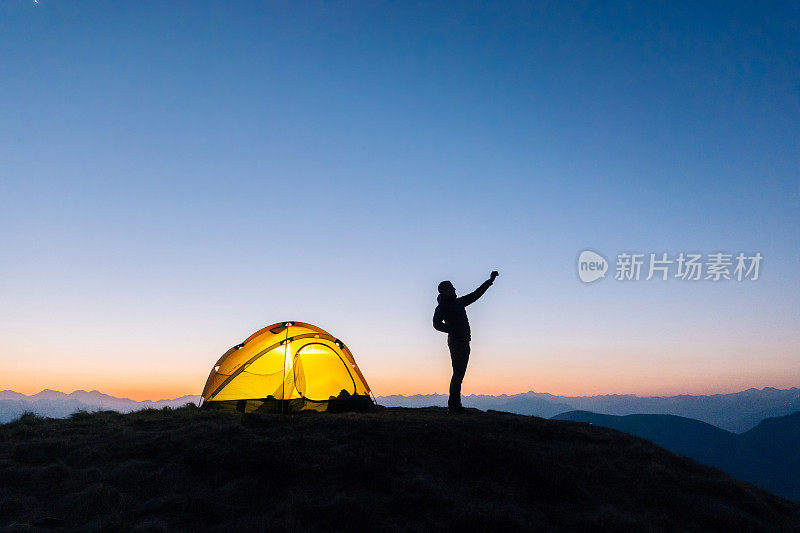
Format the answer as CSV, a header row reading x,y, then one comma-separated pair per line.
x,y
767,455
737,412
56,404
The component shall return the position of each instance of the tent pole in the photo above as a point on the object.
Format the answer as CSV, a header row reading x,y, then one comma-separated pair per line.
x,y
285,353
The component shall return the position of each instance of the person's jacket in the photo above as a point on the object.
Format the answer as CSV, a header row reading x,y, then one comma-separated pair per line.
x,y
450,315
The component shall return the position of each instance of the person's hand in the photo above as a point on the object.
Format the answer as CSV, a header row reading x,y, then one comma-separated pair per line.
x,y
494,274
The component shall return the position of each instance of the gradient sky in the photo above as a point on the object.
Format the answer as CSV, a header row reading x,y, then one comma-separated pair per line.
x,y
175,175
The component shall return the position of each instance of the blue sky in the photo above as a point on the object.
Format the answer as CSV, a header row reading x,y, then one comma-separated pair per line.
x,y
175,175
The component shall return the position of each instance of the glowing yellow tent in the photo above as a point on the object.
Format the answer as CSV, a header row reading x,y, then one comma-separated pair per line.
x,y
288,366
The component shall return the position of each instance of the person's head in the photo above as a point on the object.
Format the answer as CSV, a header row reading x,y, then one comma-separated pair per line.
x,y
446,289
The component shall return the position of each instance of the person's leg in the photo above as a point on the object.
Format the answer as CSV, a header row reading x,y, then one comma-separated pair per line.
x,y
459,355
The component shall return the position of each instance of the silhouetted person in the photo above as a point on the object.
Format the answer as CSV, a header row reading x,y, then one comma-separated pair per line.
x,y
451,318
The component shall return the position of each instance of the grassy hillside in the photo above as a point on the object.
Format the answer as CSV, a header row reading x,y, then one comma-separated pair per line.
x,y
390,469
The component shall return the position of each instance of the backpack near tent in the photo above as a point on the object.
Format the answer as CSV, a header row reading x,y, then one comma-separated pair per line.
x,y
285,367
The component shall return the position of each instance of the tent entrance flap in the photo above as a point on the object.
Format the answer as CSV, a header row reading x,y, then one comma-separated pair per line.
x,y
320,373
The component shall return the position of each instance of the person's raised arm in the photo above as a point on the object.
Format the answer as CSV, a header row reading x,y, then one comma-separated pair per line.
x,y
477,293
438,321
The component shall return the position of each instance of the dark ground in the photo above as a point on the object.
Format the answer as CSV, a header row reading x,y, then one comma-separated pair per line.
x,y
386,470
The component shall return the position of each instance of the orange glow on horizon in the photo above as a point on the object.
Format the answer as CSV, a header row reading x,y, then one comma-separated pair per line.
x,y
388,375
138,390
438,385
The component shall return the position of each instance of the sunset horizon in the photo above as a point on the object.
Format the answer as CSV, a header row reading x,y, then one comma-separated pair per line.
x,y
140,395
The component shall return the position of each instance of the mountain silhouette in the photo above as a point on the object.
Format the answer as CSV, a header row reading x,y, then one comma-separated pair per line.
x,y
737,412
55,404
393,469
521,404
772,455
767,455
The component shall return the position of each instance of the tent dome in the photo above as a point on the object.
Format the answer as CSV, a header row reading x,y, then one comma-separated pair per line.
x,y
288,366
